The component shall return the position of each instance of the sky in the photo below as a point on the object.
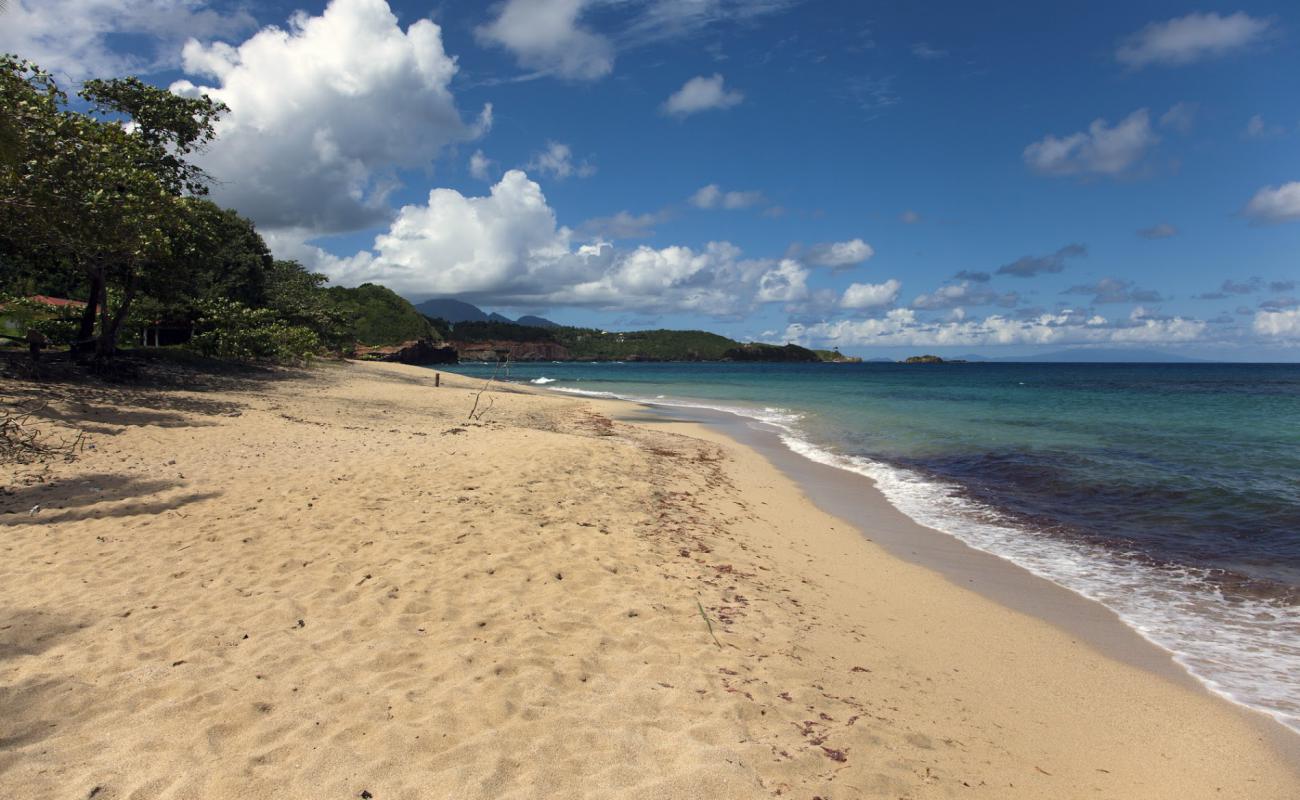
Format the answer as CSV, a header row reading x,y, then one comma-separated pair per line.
x,y
882,177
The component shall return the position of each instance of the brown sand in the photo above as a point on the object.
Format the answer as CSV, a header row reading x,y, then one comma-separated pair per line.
x,y
333,584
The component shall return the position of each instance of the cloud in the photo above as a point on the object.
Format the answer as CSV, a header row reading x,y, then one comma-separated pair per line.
x,y
903,327
871,295
1281,286
787,283
712,196
1257,128
85,38
701,94
1189,39
955,295
1029,266
873,95
323,113
1180,117
1278,324
924,51
1161,230
623,225
506,248
909,217
1100,150
838,255
557,161
972,275
480,166
1275,203
1279,303
1233,287
1114,290
663,20
545,36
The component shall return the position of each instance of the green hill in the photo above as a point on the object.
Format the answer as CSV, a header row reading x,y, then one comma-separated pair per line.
x,y
379,316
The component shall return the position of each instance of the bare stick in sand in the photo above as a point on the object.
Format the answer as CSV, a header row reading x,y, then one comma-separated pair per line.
x,y
707,622
487,384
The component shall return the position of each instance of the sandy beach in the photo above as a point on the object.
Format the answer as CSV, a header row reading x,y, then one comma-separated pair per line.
x,y
330,583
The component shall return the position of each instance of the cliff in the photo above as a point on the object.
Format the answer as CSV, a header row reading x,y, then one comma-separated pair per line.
x,y
494,349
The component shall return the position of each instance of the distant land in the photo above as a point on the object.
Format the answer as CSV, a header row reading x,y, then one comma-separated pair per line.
x,y
465,332
454,311
478,334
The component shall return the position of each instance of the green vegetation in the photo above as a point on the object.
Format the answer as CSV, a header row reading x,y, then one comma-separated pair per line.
x,y
376,315
113,214
590,344
929,359
771,352
656,345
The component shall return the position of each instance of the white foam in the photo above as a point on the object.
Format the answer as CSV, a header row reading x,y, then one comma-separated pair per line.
x,y
542,381
1247,651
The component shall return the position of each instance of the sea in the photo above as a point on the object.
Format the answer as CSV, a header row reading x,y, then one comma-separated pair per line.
x,y
1168,492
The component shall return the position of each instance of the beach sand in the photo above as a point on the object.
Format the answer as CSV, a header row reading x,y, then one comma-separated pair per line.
x,y
331,584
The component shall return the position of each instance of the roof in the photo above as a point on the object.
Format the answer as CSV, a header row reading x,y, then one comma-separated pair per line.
x,y
59,302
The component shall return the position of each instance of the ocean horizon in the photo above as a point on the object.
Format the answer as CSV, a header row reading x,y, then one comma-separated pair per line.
x,y
1170,493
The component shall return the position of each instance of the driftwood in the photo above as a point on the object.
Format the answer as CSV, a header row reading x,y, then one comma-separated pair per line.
x,y
22,441
474,413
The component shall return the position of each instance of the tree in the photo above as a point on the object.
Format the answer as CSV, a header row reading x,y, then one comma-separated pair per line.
x,y
104,197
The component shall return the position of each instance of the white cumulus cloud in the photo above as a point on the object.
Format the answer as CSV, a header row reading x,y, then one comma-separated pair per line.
x,y
557,161
786,283
546,36
1283,324
1100,150
701,93
903,327
870,295
480,166
838,255
322,114
507,248
1188,39
83,38
1276,203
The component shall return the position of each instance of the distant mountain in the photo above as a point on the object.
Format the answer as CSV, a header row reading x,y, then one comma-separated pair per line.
x,y
536,322
459,311
452,310
1100,355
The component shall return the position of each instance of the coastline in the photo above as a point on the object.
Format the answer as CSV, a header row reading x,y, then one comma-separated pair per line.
x,y
517,607
855,499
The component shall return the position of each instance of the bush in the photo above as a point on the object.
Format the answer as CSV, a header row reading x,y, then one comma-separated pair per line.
x,y
229,329
19,315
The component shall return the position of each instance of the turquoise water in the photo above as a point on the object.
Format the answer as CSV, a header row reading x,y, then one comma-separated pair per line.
x,y
1171,493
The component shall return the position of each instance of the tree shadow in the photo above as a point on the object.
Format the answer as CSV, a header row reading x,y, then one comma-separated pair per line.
x,y
91,497
32,709
161,388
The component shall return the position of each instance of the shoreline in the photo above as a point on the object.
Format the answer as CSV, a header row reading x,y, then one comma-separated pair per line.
x,y
839,492
1139,599
331,582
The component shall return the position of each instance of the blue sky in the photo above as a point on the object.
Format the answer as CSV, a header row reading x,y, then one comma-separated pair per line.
x,y
882,177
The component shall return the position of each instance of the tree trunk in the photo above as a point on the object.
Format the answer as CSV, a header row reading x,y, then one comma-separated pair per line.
x,y
111,325
102,348
87,331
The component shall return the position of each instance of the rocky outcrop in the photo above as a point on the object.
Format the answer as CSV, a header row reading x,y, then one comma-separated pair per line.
x,y
418,352
516,351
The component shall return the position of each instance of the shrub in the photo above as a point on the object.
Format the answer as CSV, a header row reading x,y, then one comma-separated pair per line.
x,y
229,329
